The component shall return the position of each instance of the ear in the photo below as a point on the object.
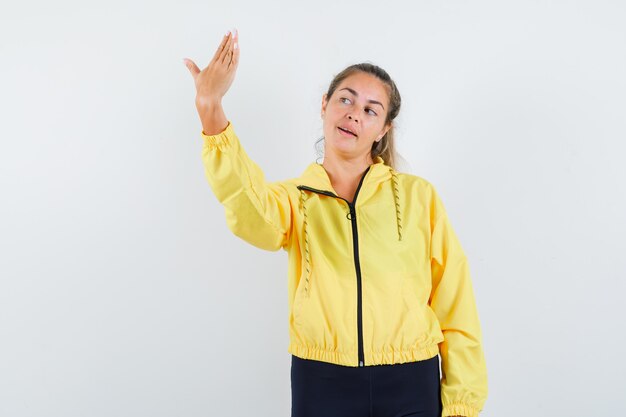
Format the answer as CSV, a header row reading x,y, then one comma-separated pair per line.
x,y
324,104
384,132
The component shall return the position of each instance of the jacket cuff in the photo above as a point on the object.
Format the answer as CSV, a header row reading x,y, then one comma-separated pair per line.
x,y
219,140
459,409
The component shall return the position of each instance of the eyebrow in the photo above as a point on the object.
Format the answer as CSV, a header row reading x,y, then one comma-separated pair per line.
x,y
356,94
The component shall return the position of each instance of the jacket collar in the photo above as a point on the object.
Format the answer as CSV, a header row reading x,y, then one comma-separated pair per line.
x,y
315,176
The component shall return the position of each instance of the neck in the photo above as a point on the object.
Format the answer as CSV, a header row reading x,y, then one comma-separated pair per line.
x,y
346,170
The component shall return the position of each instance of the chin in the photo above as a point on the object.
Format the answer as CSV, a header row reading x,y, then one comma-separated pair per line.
x,y
341,143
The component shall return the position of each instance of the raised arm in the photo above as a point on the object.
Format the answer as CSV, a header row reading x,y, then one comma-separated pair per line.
x,y
257,211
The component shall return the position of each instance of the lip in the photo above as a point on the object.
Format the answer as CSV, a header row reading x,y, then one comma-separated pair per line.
x,y
345,133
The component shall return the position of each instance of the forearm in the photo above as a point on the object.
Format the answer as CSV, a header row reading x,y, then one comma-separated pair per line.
x,y
212,116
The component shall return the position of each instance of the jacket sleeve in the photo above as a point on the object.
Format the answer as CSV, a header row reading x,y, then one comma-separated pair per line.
x,y
464,372
256,211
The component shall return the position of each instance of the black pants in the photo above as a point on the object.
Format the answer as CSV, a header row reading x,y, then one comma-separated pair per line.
x,y
322,389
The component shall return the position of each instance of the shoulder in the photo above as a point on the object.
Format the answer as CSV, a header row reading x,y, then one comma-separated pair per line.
x,y
416,183
421,192
290,184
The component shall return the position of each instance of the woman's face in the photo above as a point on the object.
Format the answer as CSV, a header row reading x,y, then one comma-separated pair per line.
x,y
360,103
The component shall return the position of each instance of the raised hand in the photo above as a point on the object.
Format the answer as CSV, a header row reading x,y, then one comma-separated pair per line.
x,y
213,82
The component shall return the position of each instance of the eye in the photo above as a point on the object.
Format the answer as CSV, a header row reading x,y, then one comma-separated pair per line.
x,y
344,98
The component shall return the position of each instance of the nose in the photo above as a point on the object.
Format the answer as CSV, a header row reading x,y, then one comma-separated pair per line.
x,y
350,116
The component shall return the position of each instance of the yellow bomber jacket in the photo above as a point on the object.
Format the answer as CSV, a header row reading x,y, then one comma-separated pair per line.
x,y
380,280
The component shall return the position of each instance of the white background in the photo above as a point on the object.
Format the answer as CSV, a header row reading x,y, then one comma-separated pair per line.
x,y
122,291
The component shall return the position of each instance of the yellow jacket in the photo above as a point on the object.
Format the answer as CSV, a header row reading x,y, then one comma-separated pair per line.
x,y
383,280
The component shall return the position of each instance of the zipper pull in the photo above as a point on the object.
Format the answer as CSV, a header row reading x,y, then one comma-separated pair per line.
x,y
360,363
350,214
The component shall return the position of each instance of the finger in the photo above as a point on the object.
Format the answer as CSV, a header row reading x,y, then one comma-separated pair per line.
x,y
225,57
193,68
221,47
235,59
235,41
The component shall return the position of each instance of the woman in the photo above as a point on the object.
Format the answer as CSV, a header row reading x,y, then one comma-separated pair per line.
x,y
379,285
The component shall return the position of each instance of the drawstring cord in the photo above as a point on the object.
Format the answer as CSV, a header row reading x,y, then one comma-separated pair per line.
x,y
396,196
306,242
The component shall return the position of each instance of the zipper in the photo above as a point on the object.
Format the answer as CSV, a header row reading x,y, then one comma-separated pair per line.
x,y
357,263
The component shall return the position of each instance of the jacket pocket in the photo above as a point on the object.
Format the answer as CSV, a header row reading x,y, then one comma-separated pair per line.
x,y
298,302
418,323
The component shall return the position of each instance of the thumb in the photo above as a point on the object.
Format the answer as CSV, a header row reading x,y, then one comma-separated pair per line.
x,y
193,68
